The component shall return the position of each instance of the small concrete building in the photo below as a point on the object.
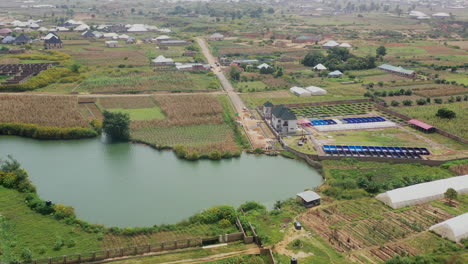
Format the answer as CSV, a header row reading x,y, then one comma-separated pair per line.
x,y
283,120
52,41
112,44
309,198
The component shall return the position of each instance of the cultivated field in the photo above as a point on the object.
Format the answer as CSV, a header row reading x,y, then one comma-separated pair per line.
x,y
55,111
368,231
427,113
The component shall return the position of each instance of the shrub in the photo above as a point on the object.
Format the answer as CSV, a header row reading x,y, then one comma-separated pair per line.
x,y
252,206
59,243
26,255
224,223
45,132
71,243
438,100
446,113
395,103
421,101
62,211
215,155
407,102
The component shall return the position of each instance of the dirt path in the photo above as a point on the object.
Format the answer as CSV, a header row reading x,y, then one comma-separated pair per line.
x,y
257,138
291,235
250,251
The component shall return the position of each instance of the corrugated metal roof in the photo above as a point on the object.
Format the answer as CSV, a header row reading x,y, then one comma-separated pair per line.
x,y
399,69
309,196
420,124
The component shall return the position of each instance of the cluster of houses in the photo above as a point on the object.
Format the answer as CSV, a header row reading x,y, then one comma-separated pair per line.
x,y
51,40
422,16
333,44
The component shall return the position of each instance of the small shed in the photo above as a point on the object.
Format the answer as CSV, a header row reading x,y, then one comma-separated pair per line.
x,y
309,198
335,74
216,37
112,44
421,126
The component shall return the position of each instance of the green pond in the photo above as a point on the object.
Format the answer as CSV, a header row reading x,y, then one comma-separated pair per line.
x,y
124,184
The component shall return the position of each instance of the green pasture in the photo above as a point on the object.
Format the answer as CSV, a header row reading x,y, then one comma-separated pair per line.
x,y
141,113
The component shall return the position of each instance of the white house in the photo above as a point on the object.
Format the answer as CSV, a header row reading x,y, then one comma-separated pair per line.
x,y
163,61
283,120
314,90
320,67
345,45
441,15
82,27
330,44
335,74
112,44
216,37
263,65
298,91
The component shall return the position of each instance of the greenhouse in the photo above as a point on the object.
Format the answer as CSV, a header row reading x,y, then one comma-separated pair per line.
x,y
423,192
454,229
314,90
298,91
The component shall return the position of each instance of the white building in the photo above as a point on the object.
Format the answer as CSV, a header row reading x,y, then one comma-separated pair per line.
x,y
216,37
299,91
423,192
314,90
454,229
330,44
345,45
335,74
112,44
441,15
263,65
283,120
320,67
163,61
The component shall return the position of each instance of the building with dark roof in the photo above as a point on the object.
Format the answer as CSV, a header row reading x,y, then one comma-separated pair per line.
x,y
87,34
307,39
22,39
53,42
267,107
283,120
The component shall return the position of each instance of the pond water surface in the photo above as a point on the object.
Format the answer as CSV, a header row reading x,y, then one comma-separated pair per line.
x,y
124,184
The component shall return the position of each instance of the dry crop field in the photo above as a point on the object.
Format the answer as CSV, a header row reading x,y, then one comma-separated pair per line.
x,y
146,81
440,90
367,226
94,56
56,111
195,121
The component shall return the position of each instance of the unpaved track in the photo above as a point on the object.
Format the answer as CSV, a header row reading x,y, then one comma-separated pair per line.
x,y
216,257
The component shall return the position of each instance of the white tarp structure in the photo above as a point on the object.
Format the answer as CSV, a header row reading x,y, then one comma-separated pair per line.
x,y
454,229
314,90
423,192
299,91
356,126
319,67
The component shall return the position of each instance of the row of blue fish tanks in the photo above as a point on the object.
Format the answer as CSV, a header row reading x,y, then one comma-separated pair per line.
x,y
375,151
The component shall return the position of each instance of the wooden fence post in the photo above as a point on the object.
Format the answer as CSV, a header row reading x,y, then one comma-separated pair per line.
x,y
50,261
94,256
135,250
149,248
121,252
107,254
175,244
79,258
162,245
64,260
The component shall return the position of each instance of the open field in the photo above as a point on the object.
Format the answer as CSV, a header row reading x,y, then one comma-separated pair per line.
x,y
427,113
141,113
332,110
56,111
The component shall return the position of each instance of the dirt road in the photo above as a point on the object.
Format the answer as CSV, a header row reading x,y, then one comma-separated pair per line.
x,y
257,138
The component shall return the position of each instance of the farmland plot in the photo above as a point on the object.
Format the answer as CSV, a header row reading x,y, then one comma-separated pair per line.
x,y
427,113
56,111
332,110
147,81
369,226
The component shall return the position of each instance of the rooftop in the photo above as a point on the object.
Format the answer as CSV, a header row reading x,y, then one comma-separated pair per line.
x,y
309,196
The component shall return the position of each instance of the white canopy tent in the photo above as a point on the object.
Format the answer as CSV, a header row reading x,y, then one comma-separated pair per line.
x,y
454,229
423,192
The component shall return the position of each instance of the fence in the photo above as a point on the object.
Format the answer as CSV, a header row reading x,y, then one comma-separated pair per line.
x,y
406,118
267,252
120,252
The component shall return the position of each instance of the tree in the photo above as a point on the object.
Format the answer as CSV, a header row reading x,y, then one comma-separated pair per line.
x,y
450,195
234,73
381,51
116,125
313,58
446,113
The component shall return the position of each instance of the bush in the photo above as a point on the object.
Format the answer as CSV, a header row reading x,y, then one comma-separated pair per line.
x,y
215,155
252,206
26,255
45,132
407,102
394,103
446,113
438,101
62,211
59,243
421,101
71,243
